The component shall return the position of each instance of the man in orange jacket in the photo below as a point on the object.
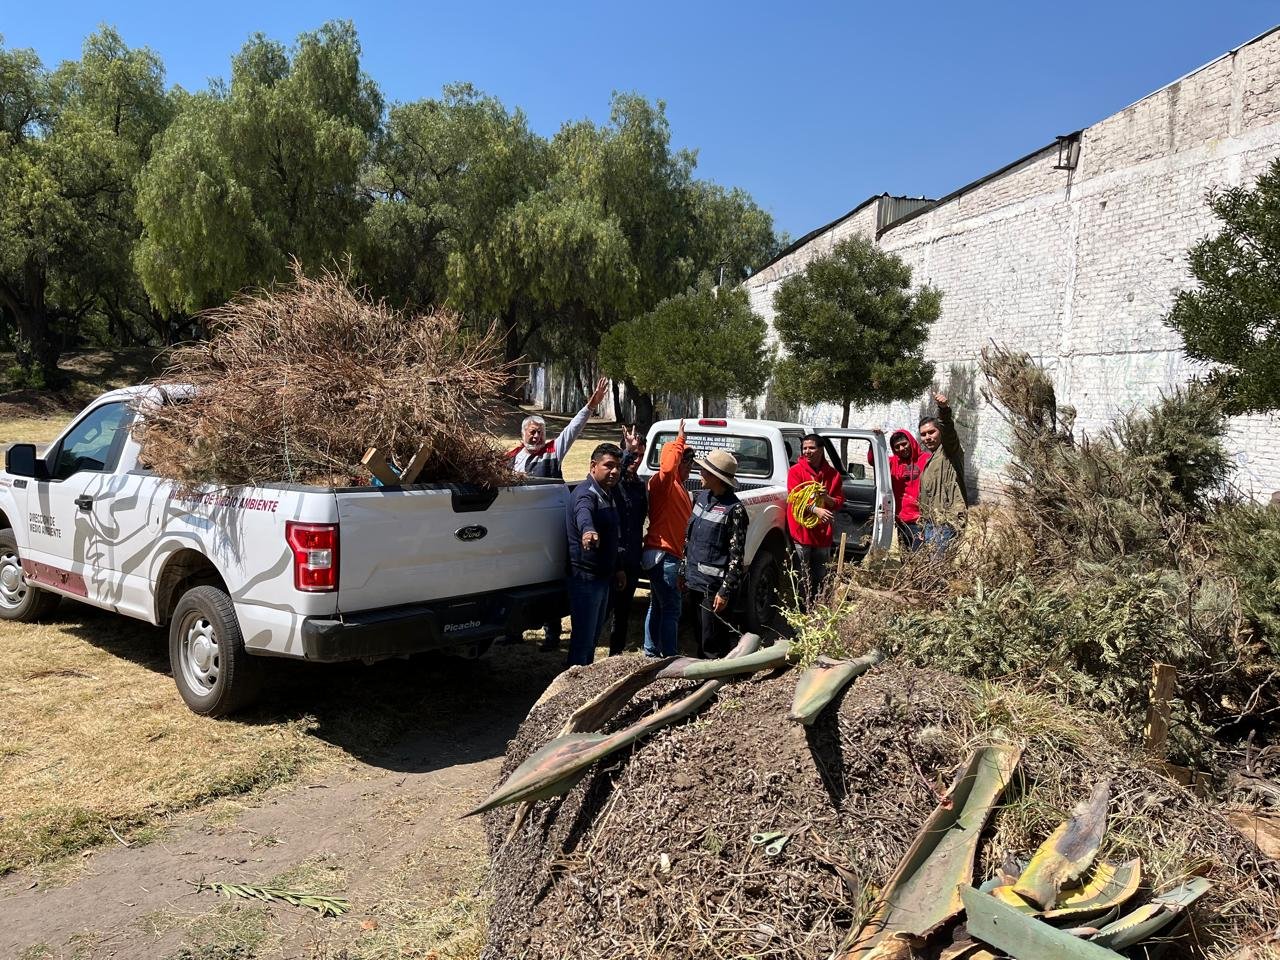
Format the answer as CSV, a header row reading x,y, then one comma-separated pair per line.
x,y
669,510
813,544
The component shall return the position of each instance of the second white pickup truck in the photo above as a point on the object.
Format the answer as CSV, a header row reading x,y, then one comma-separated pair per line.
x,y
316,573
766,450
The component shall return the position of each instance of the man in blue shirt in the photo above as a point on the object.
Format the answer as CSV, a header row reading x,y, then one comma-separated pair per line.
x,y
593,526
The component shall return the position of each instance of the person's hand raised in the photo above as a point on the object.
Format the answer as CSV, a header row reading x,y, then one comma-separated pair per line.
x,y
940,399
597,396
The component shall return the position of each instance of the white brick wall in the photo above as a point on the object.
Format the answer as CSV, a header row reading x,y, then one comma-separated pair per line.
x,y
1079,268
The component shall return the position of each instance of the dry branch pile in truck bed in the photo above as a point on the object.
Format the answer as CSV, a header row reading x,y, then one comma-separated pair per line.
x,y
297,382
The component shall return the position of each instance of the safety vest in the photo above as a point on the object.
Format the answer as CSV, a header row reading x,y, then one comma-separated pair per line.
x,y
706,550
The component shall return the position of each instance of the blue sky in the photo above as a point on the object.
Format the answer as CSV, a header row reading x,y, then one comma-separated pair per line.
x,y
812,107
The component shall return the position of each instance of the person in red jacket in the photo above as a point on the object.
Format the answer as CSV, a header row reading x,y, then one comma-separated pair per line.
x,y
906,464
813,544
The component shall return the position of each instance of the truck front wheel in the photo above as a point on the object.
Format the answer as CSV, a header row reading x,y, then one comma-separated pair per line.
x,y
214,673
20,600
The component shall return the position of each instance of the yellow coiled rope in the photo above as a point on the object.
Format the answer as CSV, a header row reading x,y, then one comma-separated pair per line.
x,y
802,500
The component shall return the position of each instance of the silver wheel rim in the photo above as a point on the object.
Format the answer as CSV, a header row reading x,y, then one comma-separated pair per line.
x,y
200,659
13,584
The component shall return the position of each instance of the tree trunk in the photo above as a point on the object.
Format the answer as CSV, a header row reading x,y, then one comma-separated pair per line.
x,y
643,404
706,406
512,386
37,355
844,444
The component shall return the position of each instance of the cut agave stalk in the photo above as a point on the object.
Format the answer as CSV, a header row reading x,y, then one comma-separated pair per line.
x,y
923,892
822,682
1068,852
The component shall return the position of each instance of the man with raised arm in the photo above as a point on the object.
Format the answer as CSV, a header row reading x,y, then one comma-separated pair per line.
x,y
943,501
539,458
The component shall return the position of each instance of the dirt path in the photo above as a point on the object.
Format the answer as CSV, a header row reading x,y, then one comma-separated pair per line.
x,y
385,833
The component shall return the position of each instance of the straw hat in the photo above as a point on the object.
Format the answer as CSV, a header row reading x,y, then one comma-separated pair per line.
x,y
720,464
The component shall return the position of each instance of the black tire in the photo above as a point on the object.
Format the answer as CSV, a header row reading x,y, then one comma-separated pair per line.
x,y
214,673
764,584
19,600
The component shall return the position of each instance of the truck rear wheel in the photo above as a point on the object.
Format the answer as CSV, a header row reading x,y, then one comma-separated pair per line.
x,y
20,600
764,586
214,673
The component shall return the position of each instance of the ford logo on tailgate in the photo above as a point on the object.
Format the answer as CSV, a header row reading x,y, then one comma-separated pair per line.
x,y
473,532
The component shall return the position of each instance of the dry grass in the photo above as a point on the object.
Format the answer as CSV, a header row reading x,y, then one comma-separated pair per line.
x,y
93,735
95,738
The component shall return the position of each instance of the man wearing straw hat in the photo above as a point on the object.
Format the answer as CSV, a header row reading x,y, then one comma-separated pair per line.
x,y
713,552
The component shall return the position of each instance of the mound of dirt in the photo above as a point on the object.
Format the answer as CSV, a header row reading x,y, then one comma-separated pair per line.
x,y
651,854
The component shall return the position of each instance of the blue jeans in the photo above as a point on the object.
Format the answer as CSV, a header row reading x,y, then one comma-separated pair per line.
x,y
588,603
936,535
662,622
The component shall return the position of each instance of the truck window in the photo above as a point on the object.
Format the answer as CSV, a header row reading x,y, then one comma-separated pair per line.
x,y
755,457
857,467
791,440
94,443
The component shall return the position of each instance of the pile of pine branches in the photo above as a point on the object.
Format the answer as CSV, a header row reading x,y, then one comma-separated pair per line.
x,y
296,383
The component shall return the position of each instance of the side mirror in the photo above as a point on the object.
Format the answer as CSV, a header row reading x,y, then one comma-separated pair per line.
x,y
858,471
20,460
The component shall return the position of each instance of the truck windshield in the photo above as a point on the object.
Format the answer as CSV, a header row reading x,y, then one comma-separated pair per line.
x,y
755,454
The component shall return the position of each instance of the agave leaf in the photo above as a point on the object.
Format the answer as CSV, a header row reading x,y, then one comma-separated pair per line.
x,y
1150,918
604,706
1068,852
1006,895
820,684
1108,886
966,950
690,668
559,765
1023,937
923,892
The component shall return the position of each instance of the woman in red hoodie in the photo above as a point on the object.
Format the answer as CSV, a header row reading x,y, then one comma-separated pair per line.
x,y
906,464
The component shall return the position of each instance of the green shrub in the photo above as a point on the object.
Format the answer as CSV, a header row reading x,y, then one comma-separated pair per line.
x,y
1093,640
1245,538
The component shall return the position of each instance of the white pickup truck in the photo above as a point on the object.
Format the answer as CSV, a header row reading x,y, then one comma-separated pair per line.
x,y
766,450
278,571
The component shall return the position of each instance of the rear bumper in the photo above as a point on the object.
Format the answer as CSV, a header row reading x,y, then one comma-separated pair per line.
x,y
419,627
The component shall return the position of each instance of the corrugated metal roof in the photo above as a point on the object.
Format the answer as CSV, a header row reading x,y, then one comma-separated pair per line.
x,y
812,234
893,209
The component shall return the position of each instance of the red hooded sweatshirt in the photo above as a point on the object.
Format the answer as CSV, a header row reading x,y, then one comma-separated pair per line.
x,y
906,476
829,477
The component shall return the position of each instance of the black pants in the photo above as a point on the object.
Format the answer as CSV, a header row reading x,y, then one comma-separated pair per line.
x,y
620,603
715,633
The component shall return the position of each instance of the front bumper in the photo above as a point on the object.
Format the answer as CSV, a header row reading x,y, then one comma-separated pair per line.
x,y
420,627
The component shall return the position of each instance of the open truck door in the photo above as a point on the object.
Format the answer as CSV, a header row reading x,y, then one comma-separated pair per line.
x,y
867,515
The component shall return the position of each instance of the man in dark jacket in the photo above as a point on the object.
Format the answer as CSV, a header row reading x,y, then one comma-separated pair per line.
x,y
593,526
633,498
943,501
715,542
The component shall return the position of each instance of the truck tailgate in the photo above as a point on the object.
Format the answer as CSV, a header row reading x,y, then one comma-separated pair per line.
x,y
420,544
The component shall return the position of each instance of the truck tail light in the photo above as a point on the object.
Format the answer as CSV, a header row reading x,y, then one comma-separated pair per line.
x,y
315,555
713,423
